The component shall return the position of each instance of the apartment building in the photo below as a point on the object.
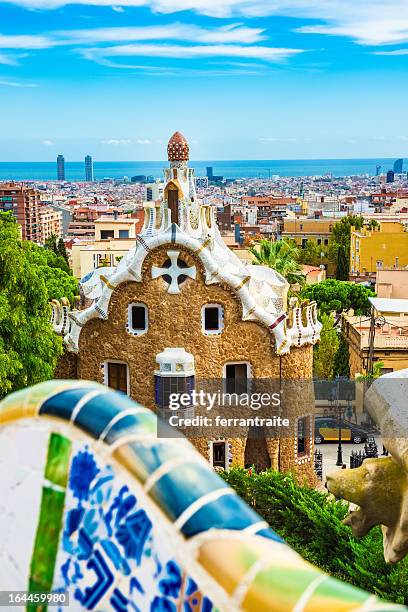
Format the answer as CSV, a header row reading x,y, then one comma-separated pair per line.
x,y
50,222
24,202
390,341
385,246
301,230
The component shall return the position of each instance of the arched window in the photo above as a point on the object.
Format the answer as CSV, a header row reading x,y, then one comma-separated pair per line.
x,y
173,202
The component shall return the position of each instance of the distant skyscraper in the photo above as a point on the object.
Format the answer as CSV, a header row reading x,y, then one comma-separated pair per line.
x,y
89,172
210,173
390,176
398,166
61,168
377,170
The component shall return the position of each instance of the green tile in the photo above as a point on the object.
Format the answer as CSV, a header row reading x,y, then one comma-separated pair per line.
x,y
56,470
50,519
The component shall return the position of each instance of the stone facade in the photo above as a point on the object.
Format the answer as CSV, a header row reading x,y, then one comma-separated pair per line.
x,y
176,320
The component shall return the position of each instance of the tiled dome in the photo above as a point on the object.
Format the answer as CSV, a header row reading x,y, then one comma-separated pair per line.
x,y
178,149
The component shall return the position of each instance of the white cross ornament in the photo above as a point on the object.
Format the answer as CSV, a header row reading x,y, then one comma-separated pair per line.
x,y
174,271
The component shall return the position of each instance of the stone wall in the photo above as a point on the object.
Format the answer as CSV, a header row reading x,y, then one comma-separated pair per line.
x,y
175,321
67,366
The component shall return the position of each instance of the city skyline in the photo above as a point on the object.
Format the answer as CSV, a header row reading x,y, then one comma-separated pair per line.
x,y
242,80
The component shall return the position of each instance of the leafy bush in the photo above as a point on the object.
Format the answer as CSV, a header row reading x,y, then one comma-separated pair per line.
x,y
311,523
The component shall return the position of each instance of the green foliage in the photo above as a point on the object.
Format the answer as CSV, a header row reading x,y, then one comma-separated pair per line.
x,y
311,254
370,376
54,270
311,523
334,295
342,230
325,352
61,250
59,284
342,266
45,256
29,348
341,365
340,237
281,256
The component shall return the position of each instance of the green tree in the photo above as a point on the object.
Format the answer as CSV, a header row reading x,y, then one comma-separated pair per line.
x,y
58,283
334,295
45,256
311,522
373,224
324,353
281,256
29,348
312,254
54,270
340,237
61,250
341,366
342,230
343,266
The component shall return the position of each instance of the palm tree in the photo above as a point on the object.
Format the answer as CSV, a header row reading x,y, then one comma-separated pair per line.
x,y
281,256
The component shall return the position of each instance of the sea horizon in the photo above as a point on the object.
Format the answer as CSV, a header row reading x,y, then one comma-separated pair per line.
x,y
239,169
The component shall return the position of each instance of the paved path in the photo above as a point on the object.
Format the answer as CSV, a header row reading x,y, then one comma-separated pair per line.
x,y
329,450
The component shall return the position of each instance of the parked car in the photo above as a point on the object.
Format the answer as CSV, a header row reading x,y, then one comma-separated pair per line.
x,y
327,430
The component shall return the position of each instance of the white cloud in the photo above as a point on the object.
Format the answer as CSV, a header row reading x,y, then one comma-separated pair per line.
x,y
271,54
118,9
231,34
48,143
395,52
183,41
142,141
116,142
25,42
368,22
11,83
11,59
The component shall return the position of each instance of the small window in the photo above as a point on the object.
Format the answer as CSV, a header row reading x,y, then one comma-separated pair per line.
x,y
137,318
106,234
219,454
212,318
117,376
236,378
165,386
386,370
124,233
303,435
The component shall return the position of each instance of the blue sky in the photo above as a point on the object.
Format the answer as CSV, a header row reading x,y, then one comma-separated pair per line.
x,y
242,79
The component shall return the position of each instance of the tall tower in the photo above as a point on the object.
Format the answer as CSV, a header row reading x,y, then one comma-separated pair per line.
x,y
398,165
179,191
89,171
61,168
390,176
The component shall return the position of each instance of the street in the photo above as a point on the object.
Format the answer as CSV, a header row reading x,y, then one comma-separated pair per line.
x,y
329,451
